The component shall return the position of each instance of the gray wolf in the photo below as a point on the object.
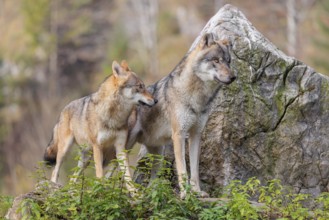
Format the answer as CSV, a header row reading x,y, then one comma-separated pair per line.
x,y
100,121
182,112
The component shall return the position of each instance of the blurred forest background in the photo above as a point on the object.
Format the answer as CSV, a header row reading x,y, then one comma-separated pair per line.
x,y
54,51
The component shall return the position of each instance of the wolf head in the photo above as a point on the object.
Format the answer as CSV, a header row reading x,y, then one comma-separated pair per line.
x,y
213,60
131,87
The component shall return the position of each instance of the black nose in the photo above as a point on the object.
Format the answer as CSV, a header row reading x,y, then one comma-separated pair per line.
x,y
233,78
155,101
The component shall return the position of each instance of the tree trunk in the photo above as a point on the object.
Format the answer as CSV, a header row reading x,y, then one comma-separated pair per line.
x,y
291,27
147,13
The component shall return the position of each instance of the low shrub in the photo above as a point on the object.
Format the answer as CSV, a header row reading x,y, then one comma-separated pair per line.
x,y
92,198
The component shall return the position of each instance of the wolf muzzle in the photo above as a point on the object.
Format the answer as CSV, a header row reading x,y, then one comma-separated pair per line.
x,y
155,101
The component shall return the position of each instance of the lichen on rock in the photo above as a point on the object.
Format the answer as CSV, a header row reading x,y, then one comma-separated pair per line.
x,y
270,123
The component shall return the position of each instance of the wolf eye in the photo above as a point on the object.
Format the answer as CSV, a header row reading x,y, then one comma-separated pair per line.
x,y
216,60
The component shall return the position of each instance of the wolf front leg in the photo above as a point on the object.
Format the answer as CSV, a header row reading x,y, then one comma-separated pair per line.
x,y
98,158
64,144
194,155
178,137
122,157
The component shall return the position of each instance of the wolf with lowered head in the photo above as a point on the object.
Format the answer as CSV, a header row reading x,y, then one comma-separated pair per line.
x,y
100,122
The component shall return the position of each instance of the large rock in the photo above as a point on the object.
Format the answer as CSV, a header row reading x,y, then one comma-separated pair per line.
x,y
272,122
21,208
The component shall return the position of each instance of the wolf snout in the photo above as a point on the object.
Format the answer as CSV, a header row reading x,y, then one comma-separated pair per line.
x,y
230,80
153,102
149,102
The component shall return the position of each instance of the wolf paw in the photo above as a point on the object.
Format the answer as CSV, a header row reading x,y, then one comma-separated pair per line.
x,y
182,194
134,194
202,194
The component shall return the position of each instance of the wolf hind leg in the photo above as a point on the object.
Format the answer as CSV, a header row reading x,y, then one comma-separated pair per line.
x,y
64,145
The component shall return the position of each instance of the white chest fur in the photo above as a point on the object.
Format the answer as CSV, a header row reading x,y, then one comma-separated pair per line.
x,y
104,136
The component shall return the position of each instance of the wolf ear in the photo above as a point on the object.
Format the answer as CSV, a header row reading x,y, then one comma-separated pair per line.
x,y
116,68
207,40
124,65
225,42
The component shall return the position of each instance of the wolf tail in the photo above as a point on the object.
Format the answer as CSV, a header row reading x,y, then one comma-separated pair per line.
x,y
51,151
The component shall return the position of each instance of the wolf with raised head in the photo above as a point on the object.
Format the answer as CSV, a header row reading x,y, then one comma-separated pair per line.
x,y
183,109
100,121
